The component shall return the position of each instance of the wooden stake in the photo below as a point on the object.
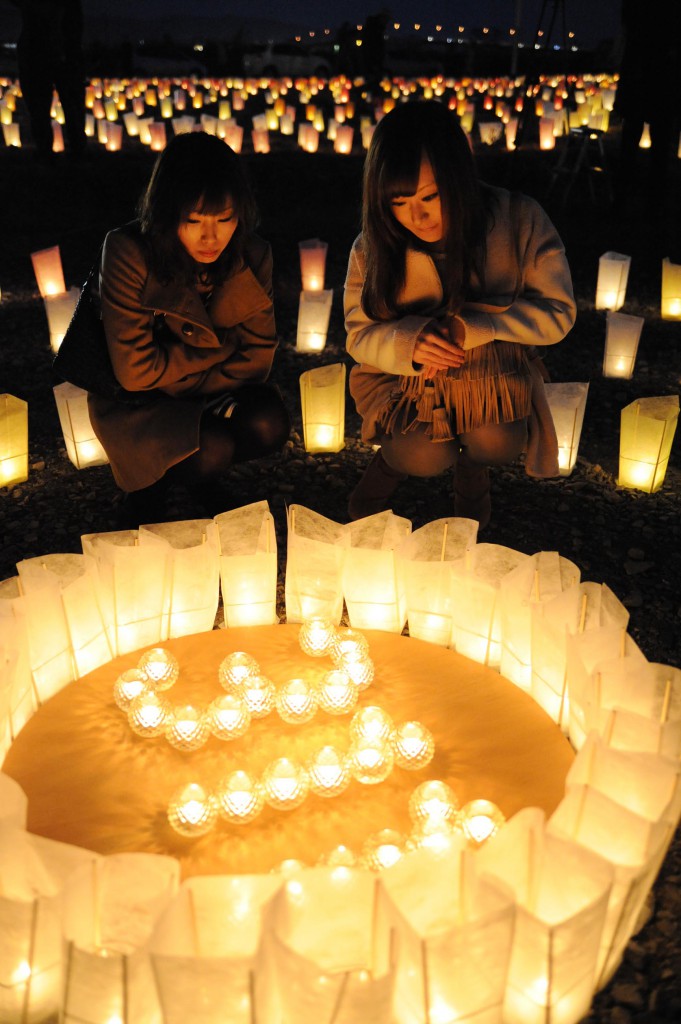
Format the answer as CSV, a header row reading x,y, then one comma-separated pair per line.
x,y
582,615
339,998
444,541
666,701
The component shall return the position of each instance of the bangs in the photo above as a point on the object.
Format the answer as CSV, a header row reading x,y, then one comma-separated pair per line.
x,y
400,174
210,201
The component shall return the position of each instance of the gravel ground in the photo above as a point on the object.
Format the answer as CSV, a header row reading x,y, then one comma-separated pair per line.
x,y
624,538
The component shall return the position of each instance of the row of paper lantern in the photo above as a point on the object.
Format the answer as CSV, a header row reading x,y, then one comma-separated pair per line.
x,y
524,930
64,615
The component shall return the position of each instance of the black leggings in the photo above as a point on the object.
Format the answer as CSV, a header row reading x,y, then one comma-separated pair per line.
x,y
259,426
415,454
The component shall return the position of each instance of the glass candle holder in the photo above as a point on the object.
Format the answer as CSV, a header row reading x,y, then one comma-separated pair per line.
x,y
439,839
371,762
347,640
240,798
130,684
372,725
285,784
161,668
315,636
340,857
192,811
337,694
236,668
259,695
383,849
480,820
187,727
228,717
328,772
358,666
148,714
296,702
433,804
414,745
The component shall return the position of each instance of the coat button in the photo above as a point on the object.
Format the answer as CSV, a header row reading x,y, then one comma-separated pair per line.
x,y
188,329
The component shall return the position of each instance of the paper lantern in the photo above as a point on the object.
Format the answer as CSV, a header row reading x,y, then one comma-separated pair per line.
x,y
314,312
18,699
671,290
315,552
490,132
567,403
82,445
109,909
34,870
13,440
476,629
611,286
581,608
48,271
12,134
59,310
510,132
645,141
547,138
424,563
322,397
312,253
445,916
331,958
261,140
206,951
345,134
373,588
641,711
248,565
193,563
622,334
131,585
647,428
157,136
114,138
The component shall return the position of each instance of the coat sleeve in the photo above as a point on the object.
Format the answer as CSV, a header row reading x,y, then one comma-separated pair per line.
x,y
544,309
386,346
142,358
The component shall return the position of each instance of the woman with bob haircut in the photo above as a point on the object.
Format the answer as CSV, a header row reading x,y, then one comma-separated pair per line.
x,y
186,303
450,287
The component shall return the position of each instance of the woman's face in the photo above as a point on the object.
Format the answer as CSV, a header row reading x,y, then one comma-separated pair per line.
x,y
205,236
421,212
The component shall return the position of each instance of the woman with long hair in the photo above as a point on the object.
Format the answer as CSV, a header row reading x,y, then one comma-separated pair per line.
x,y
451,285
186,303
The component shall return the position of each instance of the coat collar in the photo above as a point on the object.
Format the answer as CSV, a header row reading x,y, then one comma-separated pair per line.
x,y
234,301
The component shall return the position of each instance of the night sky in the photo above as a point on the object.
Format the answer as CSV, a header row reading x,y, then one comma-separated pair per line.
x,y
591,20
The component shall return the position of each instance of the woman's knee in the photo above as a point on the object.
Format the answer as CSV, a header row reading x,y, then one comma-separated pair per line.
x,y
415,454
495,444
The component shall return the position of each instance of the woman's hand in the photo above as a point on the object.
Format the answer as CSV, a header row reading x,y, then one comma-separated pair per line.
x,y
435,350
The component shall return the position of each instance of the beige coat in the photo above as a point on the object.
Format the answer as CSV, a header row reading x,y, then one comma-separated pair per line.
x,y
527,301
164,341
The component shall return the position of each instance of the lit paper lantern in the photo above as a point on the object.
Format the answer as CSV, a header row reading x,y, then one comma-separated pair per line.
x,y
424,563
312,253
639,709
12,134
567,403
206,951
345,134
261,140
490,132
60,310
547,137
540,579
671,290
34,871
622,334
476,630
647,428
611,286
48,271
373,588
445,915
157,136
13,440
18,699
193,562
322,397
248,565
510,132
234,137
314,312
331,959
82,445
645,141
131,587
315,552
109,909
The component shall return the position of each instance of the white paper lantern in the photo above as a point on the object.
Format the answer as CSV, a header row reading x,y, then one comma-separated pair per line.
x,y
312,253
647,431
322,397
622,334
611,286
567,403
193,553
13,440
373,588
48,271
60,310
248,565
314,564
314,313
82,445
671,290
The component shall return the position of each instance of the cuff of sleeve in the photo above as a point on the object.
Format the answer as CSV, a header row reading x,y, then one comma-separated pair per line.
x,y
404,341
478,329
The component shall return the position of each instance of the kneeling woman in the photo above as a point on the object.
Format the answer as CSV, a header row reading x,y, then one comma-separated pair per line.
x,y
186,303
450,287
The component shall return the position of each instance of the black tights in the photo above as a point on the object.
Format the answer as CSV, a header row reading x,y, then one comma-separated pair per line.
x,y
259,426
415,454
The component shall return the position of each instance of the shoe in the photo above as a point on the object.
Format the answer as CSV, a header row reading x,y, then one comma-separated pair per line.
x,y
472,499
374,490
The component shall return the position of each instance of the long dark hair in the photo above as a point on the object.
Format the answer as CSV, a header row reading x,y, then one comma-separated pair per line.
x,y
401,139
195,172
